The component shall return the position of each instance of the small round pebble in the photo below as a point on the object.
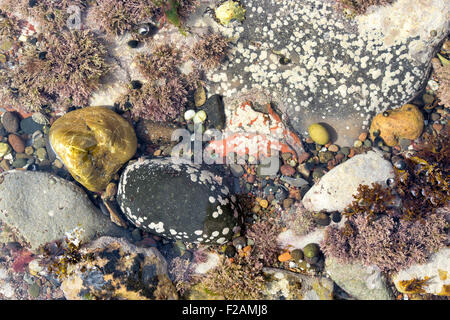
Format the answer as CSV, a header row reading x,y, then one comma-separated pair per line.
x,y
16,143
287,170
230,251
333,148
264,203
322,219
10,122
311,250
318,133
239,242
297,255
336,216
357,144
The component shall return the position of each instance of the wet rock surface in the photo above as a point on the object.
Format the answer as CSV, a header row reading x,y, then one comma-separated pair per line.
x,y
361,282
178,201
342,71
93,143
336,188
119,270
43,207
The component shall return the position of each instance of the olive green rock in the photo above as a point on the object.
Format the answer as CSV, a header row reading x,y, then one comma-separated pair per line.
x,y
319,134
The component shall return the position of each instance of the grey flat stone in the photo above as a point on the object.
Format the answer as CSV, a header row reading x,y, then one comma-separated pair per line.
x,y
342,70
336,188
43,208
363,283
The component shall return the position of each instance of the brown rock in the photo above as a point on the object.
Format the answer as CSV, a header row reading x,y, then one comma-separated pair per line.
x,y
406,122
251,178
287,170
438,127
16,143
303,157
363,136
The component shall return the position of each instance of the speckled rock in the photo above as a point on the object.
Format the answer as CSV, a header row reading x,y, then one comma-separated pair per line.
x,y
405,122
336,188
178,201
343,71
436,271
119,270
362,283
287,285
43,208
10,122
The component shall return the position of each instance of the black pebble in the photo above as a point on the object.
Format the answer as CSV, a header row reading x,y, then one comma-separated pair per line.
x,y
32,41
133,43
43,55
336,216
230,251
136,84
33,167
32,3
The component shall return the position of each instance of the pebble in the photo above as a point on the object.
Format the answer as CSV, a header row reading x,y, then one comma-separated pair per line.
x,y
189,114
303,157
239,242
264,203
230,251
286,156
318,173
367,143
10,122
4,149
297,254
5,165
19,163
237,170
304,171
58,164
41,153
199,96
251,178
29,150
318,133
16,143
333,148
34,290
326,156
136,234
287,170
357,144
311,250
199,117
322,219
363,136
438,127
435,116
29,126
336,216
287,203
345,151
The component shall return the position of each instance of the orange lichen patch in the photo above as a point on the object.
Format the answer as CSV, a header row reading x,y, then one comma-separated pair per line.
x,y
247,249
257,134
284,257
442,274
406,122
